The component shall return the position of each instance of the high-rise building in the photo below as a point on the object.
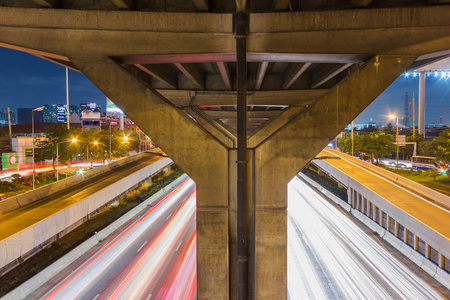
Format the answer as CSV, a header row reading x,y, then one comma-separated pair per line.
x,y
24,115
50,113
62,112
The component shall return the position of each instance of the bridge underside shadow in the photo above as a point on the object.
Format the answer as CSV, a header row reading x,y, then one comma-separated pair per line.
x,y
102,45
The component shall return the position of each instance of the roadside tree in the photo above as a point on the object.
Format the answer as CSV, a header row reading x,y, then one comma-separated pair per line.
x,y
441,146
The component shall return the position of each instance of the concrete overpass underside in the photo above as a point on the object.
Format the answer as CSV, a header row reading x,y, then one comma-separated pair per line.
x,y
312,67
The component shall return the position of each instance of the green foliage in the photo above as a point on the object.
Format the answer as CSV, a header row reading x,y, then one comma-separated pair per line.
x,y
58,133
15,175
432,173
345,144
441,146
377,143
442,178
91,144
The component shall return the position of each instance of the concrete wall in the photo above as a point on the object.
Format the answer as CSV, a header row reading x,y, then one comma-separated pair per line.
x,y
42,277
362,198
20,200
22,243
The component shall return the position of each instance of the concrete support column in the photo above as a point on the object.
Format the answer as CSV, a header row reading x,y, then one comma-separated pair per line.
x,y
422,103
193,149
406,236
121,122
396,228
271,175
350,196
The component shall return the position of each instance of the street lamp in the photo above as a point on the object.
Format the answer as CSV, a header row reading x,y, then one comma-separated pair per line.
x,y
32,136
87,151
395,117
110,140
57,156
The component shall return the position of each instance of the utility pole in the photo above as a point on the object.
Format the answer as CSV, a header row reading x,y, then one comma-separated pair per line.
x,y
414,116
109,139
67,97
9,123
352,138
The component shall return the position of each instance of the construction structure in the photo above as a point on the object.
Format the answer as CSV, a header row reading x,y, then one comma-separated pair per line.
x,y
241,95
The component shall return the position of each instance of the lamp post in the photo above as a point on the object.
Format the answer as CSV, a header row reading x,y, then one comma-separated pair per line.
x,y
57,156
352,138
395,117
109,140
32,136
87,152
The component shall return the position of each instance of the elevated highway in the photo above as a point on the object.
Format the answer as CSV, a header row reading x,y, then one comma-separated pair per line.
x,y
417,224
181,71
25,230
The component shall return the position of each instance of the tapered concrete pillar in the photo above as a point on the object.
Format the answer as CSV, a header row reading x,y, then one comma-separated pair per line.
x,y
422,103
200,155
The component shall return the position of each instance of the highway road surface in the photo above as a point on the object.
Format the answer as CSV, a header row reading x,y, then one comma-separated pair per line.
x,y
21,218
329,257
152,257
423,210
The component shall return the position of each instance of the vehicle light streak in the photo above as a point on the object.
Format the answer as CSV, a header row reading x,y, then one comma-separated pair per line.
x,y
329,257
183,285
98,273
140,278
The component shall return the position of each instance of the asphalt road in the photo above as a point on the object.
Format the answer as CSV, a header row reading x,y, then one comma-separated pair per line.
x,y
428,213
329,257
152,257
21,218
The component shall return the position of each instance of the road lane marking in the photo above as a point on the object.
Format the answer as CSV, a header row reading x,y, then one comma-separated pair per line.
x,y
168,217
179,245
140,248
149,296
96,297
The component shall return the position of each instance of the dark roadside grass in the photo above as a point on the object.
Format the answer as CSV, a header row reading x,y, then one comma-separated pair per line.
x,y
59,248
430,178
22,184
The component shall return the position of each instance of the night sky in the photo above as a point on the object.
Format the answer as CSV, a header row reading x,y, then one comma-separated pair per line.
x,y
28,81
